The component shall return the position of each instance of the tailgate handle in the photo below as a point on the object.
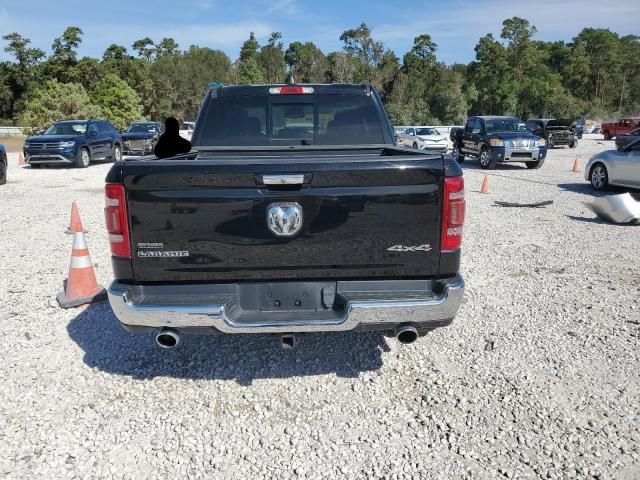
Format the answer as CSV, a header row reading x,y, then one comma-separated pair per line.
x,y
291,179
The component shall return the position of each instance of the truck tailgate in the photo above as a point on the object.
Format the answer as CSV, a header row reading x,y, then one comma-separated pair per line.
x,y
363,216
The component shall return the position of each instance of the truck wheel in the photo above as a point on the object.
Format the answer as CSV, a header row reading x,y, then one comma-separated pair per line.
x,y
457,155
534,165
573,144
486,161
83,159
117,154
607,136
599,177
415,145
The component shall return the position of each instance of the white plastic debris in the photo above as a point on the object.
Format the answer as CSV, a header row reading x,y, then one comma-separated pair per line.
x,y
616,208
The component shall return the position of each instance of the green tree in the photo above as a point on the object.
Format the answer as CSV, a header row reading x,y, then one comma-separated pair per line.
x,y
145,48
117,100
167,46
87,72
19,75
249,72
493,78
249,48
64,56
367,52
271,59
115,52
137,72
201,67
57,101
341,67
306,62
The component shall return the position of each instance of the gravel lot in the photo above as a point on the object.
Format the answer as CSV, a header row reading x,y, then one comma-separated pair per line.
x,y
538,376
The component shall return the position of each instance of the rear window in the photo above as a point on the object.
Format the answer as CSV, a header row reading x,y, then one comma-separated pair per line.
x,y
291,120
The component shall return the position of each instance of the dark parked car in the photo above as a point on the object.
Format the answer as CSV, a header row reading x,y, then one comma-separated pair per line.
x,y
556,132
3,165
74,142
627,138
494,140
141,137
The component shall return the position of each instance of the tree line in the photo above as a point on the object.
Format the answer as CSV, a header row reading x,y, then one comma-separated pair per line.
x,y
596,74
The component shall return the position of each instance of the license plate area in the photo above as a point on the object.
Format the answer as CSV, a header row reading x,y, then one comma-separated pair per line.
x,y
287,296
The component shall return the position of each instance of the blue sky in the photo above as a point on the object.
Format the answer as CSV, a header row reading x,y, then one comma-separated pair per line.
x,y
455,25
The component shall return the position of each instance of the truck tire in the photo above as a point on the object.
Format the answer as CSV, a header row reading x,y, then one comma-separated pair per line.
x,y
83,158
573,144
3,173
486,161
534,165
607,135
415,145
117,154
599,177
457,155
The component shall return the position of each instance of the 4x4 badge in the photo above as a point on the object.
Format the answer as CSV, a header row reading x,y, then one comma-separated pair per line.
x,y
419,248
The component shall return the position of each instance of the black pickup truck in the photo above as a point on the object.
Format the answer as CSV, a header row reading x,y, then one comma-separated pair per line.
x,y
494,140
295,213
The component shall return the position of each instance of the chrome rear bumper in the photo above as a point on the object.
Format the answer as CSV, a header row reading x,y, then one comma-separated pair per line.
x,y
366,305
53,158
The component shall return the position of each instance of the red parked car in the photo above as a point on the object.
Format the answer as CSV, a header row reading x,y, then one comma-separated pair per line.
x,y
625,125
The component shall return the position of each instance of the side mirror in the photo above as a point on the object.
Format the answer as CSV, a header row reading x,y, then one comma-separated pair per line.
x,y
92,132
475,131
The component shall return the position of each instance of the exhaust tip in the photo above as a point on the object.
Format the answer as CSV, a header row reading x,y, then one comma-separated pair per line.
x,y
406,334
167,339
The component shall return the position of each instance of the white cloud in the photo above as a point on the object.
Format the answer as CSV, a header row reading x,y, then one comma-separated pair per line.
x,y
288,7
203,4
458,29
224,36
553,19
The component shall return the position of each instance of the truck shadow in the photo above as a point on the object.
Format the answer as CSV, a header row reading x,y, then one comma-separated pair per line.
x,y
585,188
243,358
475,165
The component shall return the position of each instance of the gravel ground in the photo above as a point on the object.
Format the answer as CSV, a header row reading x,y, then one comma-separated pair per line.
x,y
537,377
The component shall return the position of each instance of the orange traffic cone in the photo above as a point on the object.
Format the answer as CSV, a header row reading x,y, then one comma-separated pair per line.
x,y
21,159
576,165
81,285
75,225
485,185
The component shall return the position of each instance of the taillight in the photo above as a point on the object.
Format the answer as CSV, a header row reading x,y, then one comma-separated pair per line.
x,y
115,212
452,214
290,90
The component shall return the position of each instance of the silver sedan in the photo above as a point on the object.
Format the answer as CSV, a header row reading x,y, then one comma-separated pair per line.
x,y
613,167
